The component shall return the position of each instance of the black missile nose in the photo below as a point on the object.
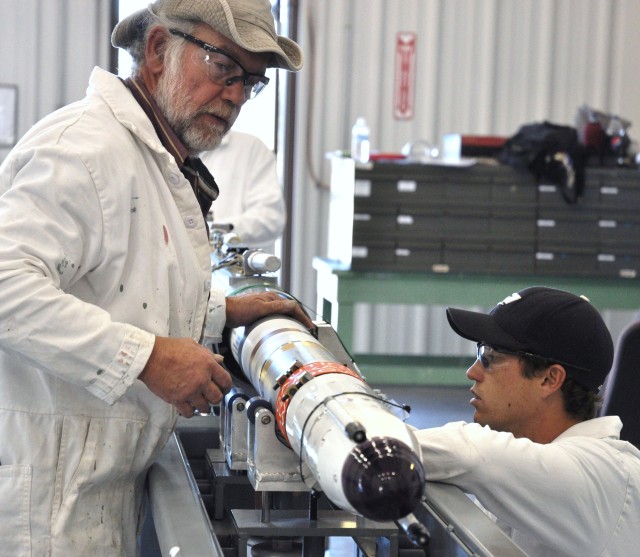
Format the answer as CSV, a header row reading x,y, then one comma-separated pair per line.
x,y
383,479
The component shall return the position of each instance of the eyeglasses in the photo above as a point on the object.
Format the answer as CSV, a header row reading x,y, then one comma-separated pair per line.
x,y
223,69
486,355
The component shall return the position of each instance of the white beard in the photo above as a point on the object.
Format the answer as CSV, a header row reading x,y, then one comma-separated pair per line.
x,y
174,101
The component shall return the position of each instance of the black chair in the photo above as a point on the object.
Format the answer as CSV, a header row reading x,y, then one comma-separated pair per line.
x,y
621,393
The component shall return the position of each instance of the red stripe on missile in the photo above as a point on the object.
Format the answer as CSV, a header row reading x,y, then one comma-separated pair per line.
x,y
301,376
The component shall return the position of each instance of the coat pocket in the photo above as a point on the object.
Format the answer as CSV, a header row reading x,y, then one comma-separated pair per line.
x,y
15,497
99,486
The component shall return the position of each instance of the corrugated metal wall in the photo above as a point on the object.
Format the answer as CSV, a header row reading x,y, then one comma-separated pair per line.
x,y
483,67
48,48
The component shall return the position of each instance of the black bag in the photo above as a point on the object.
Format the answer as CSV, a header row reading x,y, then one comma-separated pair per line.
x,y
552,152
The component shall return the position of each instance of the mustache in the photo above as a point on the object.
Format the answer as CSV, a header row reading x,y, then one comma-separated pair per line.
x,y
221,111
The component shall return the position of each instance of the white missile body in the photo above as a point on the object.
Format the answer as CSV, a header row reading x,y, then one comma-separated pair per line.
x,y
350,444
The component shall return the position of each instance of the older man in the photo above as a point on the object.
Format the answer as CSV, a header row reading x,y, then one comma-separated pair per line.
x,y
105,274
557,479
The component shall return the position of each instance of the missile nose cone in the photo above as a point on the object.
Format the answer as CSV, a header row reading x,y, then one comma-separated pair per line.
x,y
383,479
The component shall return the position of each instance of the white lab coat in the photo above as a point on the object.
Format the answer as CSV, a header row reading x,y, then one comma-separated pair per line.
x,y
576,496
250,194
102,246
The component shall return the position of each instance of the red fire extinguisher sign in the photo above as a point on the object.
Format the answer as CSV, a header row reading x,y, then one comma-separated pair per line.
x,y
405,76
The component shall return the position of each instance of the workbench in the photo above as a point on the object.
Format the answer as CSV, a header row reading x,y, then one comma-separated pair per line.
x,y
339,289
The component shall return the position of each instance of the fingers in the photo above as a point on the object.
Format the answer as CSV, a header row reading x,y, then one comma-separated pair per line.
x,y
297,312
200,402
212,393
185,374
207,393
185,409
244,310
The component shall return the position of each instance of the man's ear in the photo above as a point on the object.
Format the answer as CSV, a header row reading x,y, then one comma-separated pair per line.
x,y
553,378
154,51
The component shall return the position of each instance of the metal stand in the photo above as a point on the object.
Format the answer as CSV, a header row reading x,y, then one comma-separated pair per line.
x,y
222,476
294,524
312,526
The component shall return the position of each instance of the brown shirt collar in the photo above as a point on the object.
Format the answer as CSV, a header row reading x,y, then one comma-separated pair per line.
x,y
193,169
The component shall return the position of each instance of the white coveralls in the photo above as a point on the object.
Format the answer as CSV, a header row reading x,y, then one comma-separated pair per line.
x,y
250,195
576,496
102,246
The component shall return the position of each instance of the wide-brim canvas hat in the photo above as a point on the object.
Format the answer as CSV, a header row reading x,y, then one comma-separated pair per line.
x,y
248,23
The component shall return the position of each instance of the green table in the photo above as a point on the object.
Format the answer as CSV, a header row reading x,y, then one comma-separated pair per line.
x,y
339,289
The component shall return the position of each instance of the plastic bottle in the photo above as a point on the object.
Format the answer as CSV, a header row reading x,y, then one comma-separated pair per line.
x,y
360,141
618,139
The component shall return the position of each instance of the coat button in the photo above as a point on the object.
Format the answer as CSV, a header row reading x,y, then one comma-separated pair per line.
x,y
174,179
190,222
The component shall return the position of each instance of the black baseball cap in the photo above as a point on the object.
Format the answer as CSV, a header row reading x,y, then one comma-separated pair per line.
x,y
550,323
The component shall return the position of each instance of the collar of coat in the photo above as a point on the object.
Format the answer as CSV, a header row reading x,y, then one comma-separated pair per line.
x,y
203,183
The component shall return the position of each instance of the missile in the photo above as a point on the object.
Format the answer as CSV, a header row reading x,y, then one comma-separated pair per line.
x,y
362,456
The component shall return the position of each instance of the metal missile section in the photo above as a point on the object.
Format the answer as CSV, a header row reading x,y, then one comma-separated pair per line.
x,y
332,433
356,451
328,455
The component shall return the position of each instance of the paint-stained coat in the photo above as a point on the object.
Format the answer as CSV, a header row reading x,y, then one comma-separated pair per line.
x,y
102,246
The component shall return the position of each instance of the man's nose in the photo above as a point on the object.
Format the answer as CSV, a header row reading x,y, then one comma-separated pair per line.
x,y
475,372
235,93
